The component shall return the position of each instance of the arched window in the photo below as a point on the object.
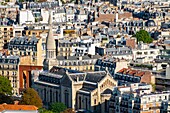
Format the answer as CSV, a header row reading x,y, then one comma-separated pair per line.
x,y
86,103
51,96
79,102
56,96
45,96
66,94
106,105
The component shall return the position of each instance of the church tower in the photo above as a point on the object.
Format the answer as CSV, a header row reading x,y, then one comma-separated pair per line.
x,y
51,47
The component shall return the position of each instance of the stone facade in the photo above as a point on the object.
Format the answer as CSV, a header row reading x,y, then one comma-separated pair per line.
x,y
77,90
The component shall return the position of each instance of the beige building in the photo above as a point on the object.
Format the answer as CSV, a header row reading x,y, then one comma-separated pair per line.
x,y
58,53
36,32
81,63
27,46
138,98
64,47
9,67
6,33
77,90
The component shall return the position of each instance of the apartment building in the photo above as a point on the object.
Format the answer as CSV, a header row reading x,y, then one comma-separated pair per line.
x,y
128,75
64,47
27,46
59,15
9,11
6,33
85,45
44,5
81,63
77,90
116,51
137,100
35,32
18,30
144,53
70,14
9,67
113,65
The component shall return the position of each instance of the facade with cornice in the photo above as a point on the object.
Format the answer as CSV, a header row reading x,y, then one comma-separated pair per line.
x,y
77,90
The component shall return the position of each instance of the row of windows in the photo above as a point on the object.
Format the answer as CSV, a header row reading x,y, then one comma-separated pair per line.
x,y
24,53
119,52
54,96
8,66
85,68
49,79
75,63
145,53
22,48
11,73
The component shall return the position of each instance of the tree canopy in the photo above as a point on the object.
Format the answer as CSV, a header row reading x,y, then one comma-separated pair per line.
x,y
68,111
57,107
5,86
43,110
31,97
144,36
6,99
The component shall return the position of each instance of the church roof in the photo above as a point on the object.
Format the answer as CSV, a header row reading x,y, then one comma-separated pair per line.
x,y
50,39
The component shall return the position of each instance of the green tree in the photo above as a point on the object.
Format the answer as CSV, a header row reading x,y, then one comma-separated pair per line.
x,y
57,107
6,99
144,36
5,86
31,97
68,111
43,110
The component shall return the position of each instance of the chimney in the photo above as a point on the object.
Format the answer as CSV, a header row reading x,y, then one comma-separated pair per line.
x,y
77,78
117,17
80,57
16,102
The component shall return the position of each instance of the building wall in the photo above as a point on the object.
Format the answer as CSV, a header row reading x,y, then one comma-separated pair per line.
x,y
131,43
6,33
77,99
11,72
26,16
37,32
40,52
147,54
25,75
120,65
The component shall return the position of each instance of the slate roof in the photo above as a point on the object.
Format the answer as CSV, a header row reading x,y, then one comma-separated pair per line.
x,y
80,77
89,79
24,41
95,76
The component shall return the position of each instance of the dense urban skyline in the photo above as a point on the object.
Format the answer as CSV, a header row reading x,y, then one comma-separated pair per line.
x,y
85,56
